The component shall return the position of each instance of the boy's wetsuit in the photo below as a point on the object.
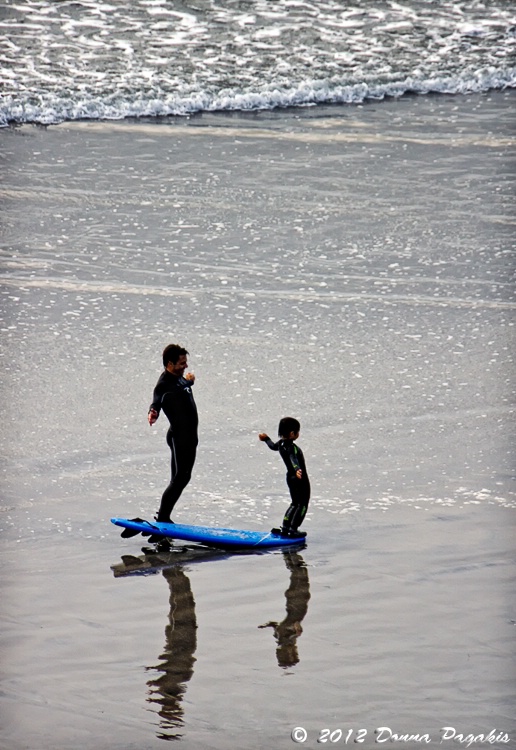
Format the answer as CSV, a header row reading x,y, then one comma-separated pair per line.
x,y
294,460
173,395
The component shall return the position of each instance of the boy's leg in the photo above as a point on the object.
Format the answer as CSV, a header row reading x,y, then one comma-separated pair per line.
x,y
300,496
294,517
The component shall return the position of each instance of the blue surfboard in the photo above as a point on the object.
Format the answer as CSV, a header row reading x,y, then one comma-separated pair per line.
x,y
208,535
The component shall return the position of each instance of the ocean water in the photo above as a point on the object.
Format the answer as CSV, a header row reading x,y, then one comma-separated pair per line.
x,y
97,60
343,253
352,266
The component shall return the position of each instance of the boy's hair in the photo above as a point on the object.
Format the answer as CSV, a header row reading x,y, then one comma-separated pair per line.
x,y
288,425
171,353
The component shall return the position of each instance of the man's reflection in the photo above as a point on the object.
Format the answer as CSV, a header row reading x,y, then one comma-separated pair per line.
x,y
177,660
297,596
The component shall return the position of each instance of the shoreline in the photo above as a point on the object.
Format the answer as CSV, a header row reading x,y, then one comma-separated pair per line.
x,y
291,113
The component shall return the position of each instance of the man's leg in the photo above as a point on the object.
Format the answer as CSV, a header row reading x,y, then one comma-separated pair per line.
x,y
182,462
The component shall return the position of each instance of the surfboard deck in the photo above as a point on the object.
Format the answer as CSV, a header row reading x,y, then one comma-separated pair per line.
x,y
209,535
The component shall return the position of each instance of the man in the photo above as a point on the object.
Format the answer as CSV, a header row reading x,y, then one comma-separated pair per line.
x,y
173,396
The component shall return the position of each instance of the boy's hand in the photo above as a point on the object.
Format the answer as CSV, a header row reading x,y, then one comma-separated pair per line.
x,y
263,436
190,377
152,416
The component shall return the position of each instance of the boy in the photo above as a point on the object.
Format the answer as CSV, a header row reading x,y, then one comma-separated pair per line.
x,y
297,478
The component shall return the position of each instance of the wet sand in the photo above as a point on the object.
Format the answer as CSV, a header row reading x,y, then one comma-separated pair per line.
x,y
353,266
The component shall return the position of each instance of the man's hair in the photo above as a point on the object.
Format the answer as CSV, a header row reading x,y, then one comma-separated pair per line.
x,y
288,425
171,353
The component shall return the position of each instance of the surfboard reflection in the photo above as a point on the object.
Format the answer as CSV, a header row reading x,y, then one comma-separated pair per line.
x,y
297,597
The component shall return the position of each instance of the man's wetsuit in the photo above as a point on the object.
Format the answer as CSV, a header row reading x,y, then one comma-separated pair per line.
x,y
173,395
294,460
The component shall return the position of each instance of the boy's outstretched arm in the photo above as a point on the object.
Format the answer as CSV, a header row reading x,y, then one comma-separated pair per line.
x,y
266,439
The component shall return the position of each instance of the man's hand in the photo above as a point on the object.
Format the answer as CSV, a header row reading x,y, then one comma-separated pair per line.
x,y
299,473
152,416
190,377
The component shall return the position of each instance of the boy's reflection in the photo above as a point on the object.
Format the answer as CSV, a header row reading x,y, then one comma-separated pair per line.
x,y
297,596
177,660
